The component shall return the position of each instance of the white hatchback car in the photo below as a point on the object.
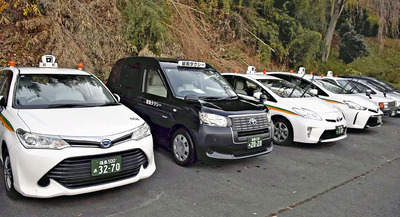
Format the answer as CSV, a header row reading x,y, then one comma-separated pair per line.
x,y
64,133
387,102
358,112
297,116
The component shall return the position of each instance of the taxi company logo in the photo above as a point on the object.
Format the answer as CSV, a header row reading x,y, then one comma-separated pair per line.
x,y
106,143
252,121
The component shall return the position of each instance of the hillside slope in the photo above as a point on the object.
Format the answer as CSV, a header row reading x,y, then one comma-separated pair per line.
x,y
92,32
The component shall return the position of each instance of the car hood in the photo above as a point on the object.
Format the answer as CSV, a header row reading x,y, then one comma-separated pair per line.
x,y
312,103
375,98
232,106
361,100
90,121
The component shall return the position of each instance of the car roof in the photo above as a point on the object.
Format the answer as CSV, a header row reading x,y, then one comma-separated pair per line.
x,y
255,76
51,71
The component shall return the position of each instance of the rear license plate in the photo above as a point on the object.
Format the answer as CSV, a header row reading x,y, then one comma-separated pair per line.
x,y
339,130
254,142
393,113
104,166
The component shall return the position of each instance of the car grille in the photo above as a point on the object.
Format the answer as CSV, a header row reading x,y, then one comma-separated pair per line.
x,y
76,172
94,144
373,121
247,123
392,104
330,134
334,120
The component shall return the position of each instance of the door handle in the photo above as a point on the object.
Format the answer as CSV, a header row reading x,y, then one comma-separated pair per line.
x,y
163,116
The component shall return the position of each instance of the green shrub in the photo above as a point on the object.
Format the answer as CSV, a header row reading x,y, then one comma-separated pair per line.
x,y
352,44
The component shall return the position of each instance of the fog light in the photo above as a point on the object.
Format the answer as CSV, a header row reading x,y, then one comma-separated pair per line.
x,y
44,182
309,129
209,150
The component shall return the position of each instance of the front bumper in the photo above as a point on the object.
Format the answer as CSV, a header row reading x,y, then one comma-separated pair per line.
x,y
359,119
31,165
225,143
391,111
314,131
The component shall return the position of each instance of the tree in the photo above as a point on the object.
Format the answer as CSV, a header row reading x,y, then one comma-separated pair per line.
x,y
352,44
338,6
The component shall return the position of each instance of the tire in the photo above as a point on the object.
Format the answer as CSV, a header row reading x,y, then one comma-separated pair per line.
x,y
8,177
283,132
182,148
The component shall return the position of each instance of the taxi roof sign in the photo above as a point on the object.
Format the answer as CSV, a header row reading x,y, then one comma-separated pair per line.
x,y
48,61
191,64
251,70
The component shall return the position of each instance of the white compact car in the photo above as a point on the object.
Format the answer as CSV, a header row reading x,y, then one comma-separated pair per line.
x,y
358,112
297,116
389,103
64,133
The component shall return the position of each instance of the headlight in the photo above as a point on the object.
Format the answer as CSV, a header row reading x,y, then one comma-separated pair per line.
x,y
141,132
354,105
305,113
214,120
39,141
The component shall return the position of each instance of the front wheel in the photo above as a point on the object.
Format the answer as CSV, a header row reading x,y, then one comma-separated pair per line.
x,y
182,148
8,177
283,133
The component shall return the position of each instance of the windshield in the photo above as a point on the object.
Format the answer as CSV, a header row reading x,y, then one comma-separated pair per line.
x,y
352,86
334,88
51,91
204,83
284,88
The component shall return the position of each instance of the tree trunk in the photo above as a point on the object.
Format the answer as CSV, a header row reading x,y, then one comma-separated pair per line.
x,y
337,10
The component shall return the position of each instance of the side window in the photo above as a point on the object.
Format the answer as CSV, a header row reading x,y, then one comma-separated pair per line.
x,y
5,84
245,87
153,84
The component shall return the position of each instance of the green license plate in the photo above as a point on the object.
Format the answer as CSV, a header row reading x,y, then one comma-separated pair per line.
x,y
106,165
339,130
254,142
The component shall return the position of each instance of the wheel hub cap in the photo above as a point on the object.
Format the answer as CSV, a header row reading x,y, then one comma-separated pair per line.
x,y
281,132
7,173
181,148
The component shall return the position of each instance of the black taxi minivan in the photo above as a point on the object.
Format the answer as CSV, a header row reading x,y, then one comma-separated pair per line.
x,y
192,109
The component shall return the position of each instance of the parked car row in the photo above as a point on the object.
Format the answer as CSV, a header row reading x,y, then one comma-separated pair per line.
x,y
64,132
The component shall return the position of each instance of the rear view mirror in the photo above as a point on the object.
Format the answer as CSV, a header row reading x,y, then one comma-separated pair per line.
x,y
257,95
368,93
191,98
117,97
314,92
2,101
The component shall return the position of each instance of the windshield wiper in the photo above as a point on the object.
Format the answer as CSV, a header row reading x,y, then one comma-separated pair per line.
x,y
110,104
71,105
211,97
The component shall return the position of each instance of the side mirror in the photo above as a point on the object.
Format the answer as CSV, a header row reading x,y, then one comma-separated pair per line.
x,y
368,93
2,101
117,97
191,98
257,95
314,92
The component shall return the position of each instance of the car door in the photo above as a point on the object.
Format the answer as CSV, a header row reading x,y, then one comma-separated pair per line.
x,y
156,101
5,82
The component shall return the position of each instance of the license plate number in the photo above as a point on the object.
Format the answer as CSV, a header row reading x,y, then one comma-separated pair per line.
x,y
254,142
339,130
104,166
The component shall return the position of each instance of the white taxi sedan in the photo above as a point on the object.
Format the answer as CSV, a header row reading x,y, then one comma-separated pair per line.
x,y
297,116
64,133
